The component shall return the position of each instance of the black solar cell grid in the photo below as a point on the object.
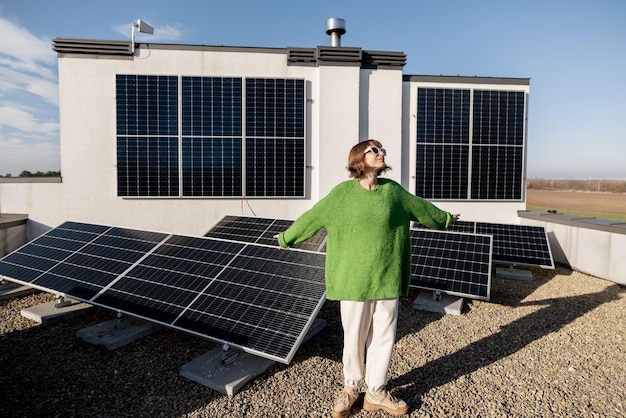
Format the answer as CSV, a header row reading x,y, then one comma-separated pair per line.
x,y
518,244
470,144
521,245
261,231
253,297
454,263
468,227
78,259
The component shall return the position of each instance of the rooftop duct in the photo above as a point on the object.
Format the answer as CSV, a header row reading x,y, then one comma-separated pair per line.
x,y
335,27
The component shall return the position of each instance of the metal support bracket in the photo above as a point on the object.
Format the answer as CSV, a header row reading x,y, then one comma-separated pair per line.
x,y
61,302
228,355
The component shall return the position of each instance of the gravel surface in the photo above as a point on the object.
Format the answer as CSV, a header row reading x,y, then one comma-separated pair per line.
x,y
555,346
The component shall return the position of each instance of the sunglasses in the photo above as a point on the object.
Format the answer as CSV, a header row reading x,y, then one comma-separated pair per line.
x,y
375,150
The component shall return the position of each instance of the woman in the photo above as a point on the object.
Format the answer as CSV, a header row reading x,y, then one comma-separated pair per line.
x,y
368,267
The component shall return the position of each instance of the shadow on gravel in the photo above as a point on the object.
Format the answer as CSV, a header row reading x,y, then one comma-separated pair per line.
x,y
45,370
555,314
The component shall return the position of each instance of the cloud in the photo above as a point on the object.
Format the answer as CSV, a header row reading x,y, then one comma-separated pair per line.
x,y
27,63
14,80
29,98
18,43
20,119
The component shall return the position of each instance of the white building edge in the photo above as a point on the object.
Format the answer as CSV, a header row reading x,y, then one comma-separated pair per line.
x,y
351,95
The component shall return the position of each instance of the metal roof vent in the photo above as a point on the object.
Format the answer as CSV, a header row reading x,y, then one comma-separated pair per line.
x,y
335,27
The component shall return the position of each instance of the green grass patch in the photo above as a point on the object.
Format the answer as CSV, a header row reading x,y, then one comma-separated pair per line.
x,y
609,216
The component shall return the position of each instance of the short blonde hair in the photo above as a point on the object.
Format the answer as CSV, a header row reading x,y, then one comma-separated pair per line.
x,y
356,159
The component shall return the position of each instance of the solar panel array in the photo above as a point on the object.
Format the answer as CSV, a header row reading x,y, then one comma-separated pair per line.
x,y
457,264
261,231
520,245
147,135
250,296
469,144
236,136
454,263
212,163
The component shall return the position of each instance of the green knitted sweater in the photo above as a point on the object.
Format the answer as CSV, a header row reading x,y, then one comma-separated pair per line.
x,y
368,250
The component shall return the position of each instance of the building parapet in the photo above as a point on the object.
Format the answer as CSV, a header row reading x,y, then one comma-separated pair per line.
x,y
466,79
593,246
577,221
31,179
91,47
322,55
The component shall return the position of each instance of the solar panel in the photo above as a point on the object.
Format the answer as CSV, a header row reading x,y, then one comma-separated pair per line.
x,y
249,296
210,136
498,145
469,144
442,153
458,226
211,152
261,231
454,263
520,245
459,264
147,135
275,143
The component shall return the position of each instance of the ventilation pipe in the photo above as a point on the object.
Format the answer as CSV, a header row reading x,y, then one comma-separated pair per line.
x,y
335,27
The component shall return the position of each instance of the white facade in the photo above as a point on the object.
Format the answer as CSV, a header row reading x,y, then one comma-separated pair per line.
x,y
593,246
348,100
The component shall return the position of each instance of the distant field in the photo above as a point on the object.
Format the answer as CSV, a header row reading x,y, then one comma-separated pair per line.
x,y
610,206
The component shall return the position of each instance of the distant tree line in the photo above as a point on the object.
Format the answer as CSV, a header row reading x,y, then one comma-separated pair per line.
x,y
600,185
27,173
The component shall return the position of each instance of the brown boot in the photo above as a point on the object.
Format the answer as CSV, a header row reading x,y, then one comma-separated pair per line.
x,y
386,402
344,401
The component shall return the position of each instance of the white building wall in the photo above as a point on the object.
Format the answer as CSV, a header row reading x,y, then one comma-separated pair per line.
x,y
340,114
381,114
345,104
89,191
44,203
338,107
598,252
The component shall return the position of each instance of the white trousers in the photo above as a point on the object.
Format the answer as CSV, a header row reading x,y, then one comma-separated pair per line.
x,y
369,332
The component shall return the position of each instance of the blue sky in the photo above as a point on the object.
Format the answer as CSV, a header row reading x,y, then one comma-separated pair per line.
x,y
573,51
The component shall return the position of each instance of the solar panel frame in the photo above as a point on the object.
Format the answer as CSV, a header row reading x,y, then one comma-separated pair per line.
x,y
518,245
253,229
184,283
470,143
261,231
454,263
